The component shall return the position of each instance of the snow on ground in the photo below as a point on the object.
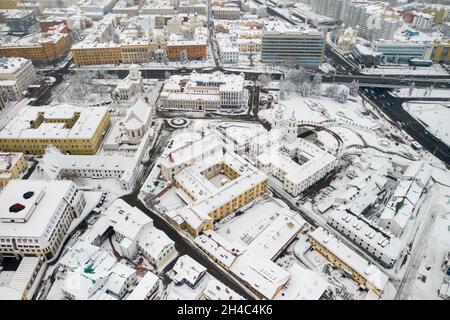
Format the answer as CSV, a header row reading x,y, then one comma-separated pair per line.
x,y
317,109
421,92
430,275
434,115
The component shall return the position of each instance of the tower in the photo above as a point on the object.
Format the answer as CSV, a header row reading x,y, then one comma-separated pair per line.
x,y
291,133
278,117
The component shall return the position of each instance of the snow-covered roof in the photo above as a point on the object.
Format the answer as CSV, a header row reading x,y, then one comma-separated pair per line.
x,y
304,284
144,287
87,121
41,200
365,229
128,221
262,275
26,271
187,269
216,290
154,242
374,276
118,278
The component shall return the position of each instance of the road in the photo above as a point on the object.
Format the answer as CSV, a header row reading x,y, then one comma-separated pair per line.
x,y
391,106
416,257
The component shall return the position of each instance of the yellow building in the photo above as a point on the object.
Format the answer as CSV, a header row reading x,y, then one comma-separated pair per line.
x,y
47,48
217,186
441,13
9,4
72,129
12,165
441,52
99,53
362,271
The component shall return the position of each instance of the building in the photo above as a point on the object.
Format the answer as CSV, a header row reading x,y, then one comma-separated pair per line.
x,y
422,21
130,86
20,21
195,49
96,276
173,161
402,207
135,233
12,165
187,271
373,19
72,129
56,165
16,75
441,52
96,53
226,12
48,47
145,288
9,4
216,290
440,13
402,52
240,184
347,38
23,281
201,91
384,247
282,44
364,273
314,164
366,55
331,8
36,215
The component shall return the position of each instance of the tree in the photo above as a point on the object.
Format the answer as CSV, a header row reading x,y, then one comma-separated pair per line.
x,y
342,94
306,89
354,88
411,87
317,82
264,79
184,58
297,76
251,58
331,91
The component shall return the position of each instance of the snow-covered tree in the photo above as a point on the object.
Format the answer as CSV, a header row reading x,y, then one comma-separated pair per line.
x,y
354,88
317,82
264,79
306,89
342,94
331,91
411,87
184,58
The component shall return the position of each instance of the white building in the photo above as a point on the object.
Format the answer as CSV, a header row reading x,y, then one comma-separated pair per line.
x,y
130,86
402,207
226,13
145,288
365,273
135,233
200,91
174,161
137,121
35,216
187,271
16,75
56,165
364,233
314,164
423,21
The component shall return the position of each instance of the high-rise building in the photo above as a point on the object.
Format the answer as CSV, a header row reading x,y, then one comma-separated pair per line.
x,y
283,44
